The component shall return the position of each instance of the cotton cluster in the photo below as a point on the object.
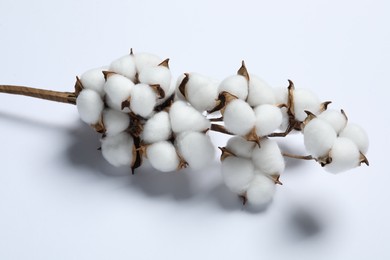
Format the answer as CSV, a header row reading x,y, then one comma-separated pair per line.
x,y
335,143
250,170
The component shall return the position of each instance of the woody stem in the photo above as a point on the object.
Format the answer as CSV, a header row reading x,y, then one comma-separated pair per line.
x,y
64,97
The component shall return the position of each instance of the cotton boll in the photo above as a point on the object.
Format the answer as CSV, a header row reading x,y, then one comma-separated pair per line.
x,y
259,92
144,60
305,100
268,119
236,85
158,75
157,128
118,89
143,100
260,191
94,79
178,94
281,95
237,173
124,66
186,118
239,117
335,118
319,136
90,106
162,156
118,149
285,119
357,134
196,149
345,155
268,158
201,92
240,147
115,121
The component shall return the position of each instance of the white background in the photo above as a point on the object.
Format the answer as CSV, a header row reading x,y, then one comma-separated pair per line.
x,y
60,200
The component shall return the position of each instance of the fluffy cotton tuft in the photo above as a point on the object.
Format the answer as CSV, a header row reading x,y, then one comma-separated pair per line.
x,y
90,106
281,95
239,117
157,128
118,149
261,191
240,147
184,117
118,89
115,121
259,92
201,92
319,136
162,156
196,149
144,60
268,119
305,100
357,134
158,75
236,85
124,66
268,158
94,79
335,118
345,155
143,100
237,173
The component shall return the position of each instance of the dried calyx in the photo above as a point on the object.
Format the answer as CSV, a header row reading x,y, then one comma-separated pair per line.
x,y
143,115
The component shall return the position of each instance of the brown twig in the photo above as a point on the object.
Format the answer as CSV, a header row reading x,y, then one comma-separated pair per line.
x,y
302,157
64,97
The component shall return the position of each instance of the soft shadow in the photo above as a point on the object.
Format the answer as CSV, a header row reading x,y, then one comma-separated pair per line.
x,y
226,199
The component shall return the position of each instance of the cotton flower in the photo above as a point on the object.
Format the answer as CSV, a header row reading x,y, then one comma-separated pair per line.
x,y
143,100
124,66
260,191
118,150
239,117
157,128
240,147
162,156
157,75
319,137
237,173
118,89
259,92
184,117
143,60
90,106
94,79
344,155
358,135
268,158
335,118
268,119
236,85
305,100
114,121
195,148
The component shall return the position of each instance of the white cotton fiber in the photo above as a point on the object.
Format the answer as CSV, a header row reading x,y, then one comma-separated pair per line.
x,y
318,136
94,79
358,135
260,191
345,155
240,147
115,121
162,156
143,100
90,106
118,89
305,100
157,128
335,118
239,117
237,173
118,149
184,117
268,119
259,92
158,75
124,66
144,60
236,85
268,158
281,95
196,149
201,92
